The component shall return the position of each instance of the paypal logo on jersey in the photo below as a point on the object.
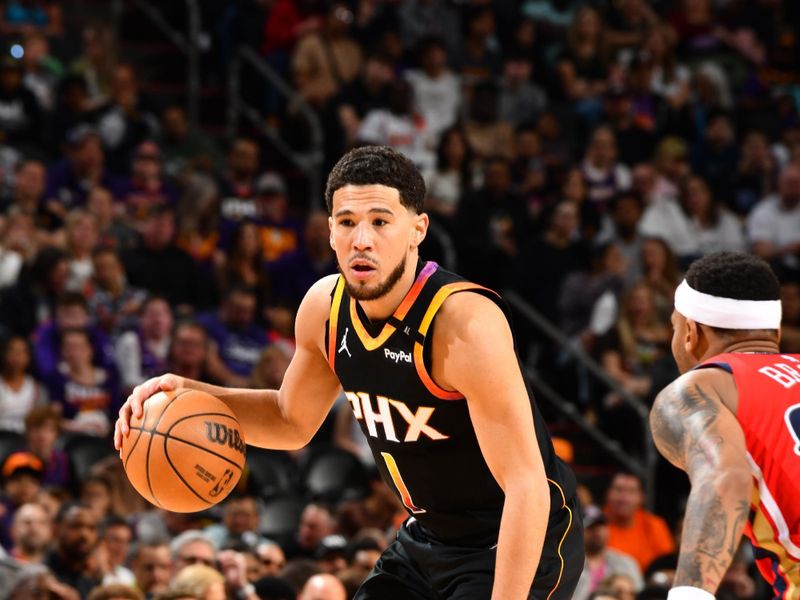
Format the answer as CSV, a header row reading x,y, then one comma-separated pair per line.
x,y
397,355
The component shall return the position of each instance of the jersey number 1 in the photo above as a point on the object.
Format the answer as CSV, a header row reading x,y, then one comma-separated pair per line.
x,y
391,465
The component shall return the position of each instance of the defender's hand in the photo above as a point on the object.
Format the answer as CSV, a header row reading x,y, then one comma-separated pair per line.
x,y
133,405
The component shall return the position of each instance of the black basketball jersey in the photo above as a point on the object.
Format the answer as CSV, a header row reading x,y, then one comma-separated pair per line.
x,y
421,434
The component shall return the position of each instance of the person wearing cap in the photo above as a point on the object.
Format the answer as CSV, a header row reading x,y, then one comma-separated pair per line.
x,y
732,422
601,561
21,474
331,554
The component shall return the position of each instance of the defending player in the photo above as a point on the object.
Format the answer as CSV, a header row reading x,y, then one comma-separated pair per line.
x,y
732,422
427,362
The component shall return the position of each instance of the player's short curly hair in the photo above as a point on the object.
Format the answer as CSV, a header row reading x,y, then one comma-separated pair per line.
x,y
378,165
734,275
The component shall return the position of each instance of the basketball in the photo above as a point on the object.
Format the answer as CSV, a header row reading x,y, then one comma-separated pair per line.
x,y
187,451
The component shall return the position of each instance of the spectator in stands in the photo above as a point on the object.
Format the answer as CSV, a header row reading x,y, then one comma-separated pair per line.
x,y
192,547
42,70
660,272
639,338
87,394
126,120
324,61
42,428
240,522
635,136
479,58
621,586
81,238
487,134
271,367
19,391
96,494
202,582
70,180
279,231
321,587
237,184
71,312
114,230
453,176
316,523
773,228
670,79
632,529
18,245
521,100
116,535
152,566
31,534
294,273
605,176
493,220
272,558
238,340
28,190
755,176
529,171
366,93
588,298
142,353
715,228
32,301
20,115
790,323
96,64
159,266
73,108
115,591
421,20
147,187
601,561
189,352
21,476
544,262
626,211
398,126
114,304
716,157
76,540
185,148
436,89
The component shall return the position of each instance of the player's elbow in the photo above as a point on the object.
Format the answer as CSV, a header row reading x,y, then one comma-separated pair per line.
x,y
734,481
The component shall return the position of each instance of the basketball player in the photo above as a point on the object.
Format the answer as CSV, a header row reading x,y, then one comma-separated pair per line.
x,y
427,362
732,422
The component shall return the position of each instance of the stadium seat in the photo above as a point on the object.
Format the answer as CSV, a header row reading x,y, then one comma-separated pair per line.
x,y
280,516
10,441
332,474
271,473
85,451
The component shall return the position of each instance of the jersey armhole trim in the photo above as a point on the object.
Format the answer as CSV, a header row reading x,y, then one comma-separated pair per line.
x,y
333,320
427,319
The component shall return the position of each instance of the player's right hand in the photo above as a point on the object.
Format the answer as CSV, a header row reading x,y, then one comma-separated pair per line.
x,y
133,405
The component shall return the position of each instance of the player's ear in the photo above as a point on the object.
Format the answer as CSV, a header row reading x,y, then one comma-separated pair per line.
x,y
695,340
330,231
419,230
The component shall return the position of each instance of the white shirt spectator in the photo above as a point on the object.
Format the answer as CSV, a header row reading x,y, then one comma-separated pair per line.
x,y
727,235
128,354
665,219
10,266
404,133
770,222
16,404
437,99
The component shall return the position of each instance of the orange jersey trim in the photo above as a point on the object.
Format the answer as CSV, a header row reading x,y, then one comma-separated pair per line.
x,y
563,537
373,343
333,320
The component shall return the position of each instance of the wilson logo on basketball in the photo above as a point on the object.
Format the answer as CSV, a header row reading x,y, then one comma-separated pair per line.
x,y
219,433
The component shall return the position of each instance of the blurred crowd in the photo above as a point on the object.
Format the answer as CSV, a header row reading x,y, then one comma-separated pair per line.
x,y
579,153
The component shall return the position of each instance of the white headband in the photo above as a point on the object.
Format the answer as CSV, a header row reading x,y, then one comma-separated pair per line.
x,y
727,313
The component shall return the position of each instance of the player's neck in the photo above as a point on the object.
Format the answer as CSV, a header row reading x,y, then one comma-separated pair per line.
x,y
755,346
384,307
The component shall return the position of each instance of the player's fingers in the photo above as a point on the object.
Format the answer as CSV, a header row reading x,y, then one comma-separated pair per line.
x,y
137,398
168,383
117,436
124,417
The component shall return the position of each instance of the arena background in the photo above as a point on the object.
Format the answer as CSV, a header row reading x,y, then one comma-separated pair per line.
x,y
161,175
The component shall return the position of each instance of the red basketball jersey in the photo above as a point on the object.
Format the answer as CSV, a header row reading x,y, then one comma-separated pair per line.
x,y
769,413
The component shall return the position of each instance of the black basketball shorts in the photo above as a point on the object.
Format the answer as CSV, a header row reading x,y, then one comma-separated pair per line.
x,y
414,567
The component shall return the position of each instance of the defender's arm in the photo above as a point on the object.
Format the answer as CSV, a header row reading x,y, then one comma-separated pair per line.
x,y
698,433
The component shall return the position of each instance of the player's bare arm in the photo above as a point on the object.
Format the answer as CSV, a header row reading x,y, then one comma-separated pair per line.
x,y
696,430
473,353
278,419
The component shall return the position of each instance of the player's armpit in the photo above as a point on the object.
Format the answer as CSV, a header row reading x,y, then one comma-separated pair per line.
x,y
696,432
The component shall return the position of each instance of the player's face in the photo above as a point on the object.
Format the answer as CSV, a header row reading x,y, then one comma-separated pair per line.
x,y
373,235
